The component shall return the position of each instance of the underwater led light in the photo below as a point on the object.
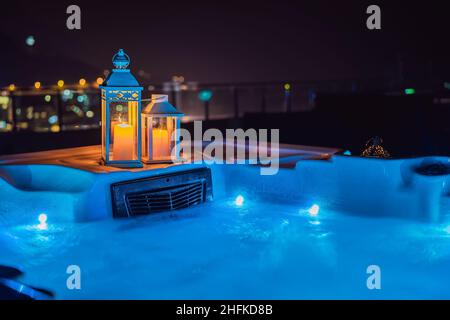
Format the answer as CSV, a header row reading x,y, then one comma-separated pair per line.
x,y
447,229
314,210
42,218
239,201
42,222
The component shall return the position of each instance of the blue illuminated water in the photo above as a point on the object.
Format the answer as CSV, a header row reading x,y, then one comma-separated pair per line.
x,y
237,250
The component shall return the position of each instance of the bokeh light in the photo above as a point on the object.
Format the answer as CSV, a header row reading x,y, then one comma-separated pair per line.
x,y
30,41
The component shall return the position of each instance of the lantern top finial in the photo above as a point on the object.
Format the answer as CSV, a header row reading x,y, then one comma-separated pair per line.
x,y
120,75
121,60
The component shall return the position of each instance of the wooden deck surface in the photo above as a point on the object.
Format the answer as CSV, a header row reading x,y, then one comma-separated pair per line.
x,y
88,158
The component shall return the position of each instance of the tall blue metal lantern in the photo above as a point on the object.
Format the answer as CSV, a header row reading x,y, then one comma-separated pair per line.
x,y
121,116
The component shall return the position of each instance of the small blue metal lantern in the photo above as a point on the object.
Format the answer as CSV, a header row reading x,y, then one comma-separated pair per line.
x,y
121,120
160,131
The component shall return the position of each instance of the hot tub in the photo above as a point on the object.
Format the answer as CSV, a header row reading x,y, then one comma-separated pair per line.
x,y
312,231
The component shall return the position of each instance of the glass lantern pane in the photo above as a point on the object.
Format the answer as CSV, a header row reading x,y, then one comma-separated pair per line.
x,y
146,136
123,131
160,139
172,127
103,129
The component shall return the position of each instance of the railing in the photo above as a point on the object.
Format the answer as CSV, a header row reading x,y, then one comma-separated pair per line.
x,y
77,108
49,110
232,100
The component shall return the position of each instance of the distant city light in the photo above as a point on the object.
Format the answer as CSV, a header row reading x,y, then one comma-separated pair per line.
x,y
4,101
82,82
410,91
53,119
287,86
47,98
90,114
11,87
205,95
66,92
37,85
30,111
178,79
77,110
80,99
314,210
60,83
30,41
239,201
99,80
55,128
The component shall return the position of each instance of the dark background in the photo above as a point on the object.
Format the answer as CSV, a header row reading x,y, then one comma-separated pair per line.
x,y
226,41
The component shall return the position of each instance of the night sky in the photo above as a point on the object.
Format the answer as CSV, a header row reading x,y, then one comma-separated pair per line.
x,y
226,41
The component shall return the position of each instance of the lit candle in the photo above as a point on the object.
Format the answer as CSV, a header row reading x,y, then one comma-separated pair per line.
x,y
113,124
123,145
161,148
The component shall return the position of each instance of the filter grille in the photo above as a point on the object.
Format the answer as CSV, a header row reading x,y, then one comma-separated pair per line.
x,y
165,192
167,199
